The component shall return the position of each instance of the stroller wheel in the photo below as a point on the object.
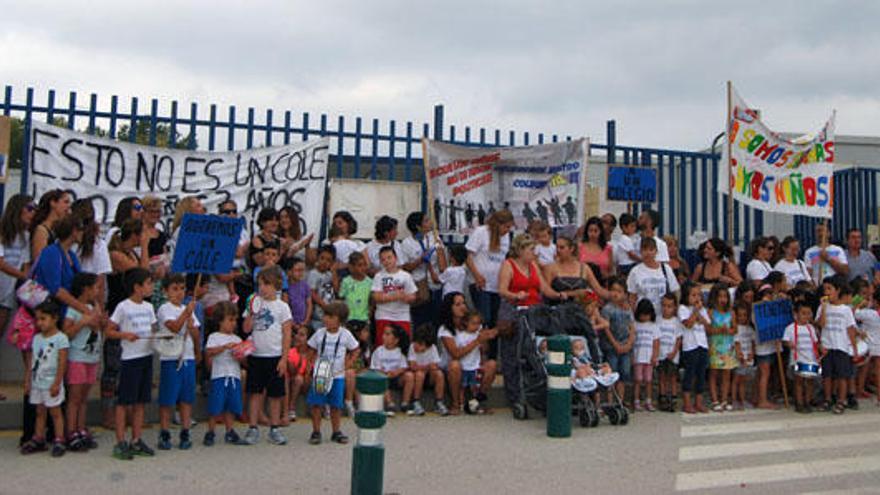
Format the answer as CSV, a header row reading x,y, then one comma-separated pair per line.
x,y
624,416
613,414
520,411
594,418
583,416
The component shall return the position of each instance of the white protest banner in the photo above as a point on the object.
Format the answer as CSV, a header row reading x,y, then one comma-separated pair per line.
x,y
107,171
542,182
775,174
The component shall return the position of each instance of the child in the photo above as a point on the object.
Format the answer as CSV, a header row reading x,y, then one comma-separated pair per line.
x,y
617,340
46,384
177,378
325,344
694,348
133,322
271,253
545,250
645,353
625,255
470,364
838,342
801,338
356,288
323,282
84,333
299,369
270,322
361,331
670,345
393,291
225,397
299,294
389,359
744,345
424,362
722,355
869,318
454,277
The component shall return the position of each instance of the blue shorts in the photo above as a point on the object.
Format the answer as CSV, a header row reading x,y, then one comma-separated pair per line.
x,y
334,399
621,363
225,396
469,379
177,385
766,359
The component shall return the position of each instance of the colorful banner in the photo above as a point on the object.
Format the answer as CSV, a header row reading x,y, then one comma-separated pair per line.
x,y
107,171
772,173
542,182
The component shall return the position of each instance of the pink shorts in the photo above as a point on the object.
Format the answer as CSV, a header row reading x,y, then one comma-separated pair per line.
x,y
82,373
642,372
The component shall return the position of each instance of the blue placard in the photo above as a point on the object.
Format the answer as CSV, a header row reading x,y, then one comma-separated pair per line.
x,y
632,184
206,244
771,318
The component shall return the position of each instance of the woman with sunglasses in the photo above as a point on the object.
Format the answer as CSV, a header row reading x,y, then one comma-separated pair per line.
x,y
128,208
54,205
759,267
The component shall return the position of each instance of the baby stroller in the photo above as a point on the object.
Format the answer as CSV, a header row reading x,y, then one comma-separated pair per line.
x,y
584,398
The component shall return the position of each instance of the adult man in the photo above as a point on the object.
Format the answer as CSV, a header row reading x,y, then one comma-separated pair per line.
x,y
825,259
648,222
861,261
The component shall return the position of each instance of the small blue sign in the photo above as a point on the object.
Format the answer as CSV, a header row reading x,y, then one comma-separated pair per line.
x,y
771,318
206,244
632,184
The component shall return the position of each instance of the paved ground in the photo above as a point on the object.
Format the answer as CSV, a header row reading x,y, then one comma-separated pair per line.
x,y
747,452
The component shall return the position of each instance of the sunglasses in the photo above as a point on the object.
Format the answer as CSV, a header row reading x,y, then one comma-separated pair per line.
x,y
137,207
229,212
30,207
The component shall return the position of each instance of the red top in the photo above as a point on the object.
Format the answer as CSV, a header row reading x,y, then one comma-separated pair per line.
x,y
529,283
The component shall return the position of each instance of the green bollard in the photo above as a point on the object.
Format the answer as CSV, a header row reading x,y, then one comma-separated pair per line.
x,y
368,461
558,386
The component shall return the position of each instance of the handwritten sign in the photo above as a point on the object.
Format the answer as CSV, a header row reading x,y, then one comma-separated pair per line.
x,y
771,318
632,184
206,244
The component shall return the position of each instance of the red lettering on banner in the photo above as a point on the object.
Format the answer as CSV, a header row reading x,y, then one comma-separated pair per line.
x,y
757,180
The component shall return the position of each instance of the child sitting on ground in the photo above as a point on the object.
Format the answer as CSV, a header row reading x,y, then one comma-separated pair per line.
x,y
389,359
424,362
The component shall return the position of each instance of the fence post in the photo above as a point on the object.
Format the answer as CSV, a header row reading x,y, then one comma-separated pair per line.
x,y
368,461
558,386
438,122
611,140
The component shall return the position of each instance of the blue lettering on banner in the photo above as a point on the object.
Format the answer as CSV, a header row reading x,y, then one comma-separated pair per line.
x,y
632,184
771,318
206,244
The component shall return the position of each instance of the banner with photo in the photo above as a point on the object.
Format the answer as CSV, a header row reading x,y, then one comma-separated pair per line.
x,y
772,173
542,182
107,171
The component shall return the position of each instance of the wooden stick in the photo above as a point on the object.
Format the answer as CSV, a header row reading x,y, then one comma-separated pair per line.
x,y
823,243
782,375
730,203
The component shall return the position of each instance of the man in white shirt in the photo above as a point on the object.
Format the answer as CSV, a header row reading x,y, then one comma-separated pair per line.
x,y
825,261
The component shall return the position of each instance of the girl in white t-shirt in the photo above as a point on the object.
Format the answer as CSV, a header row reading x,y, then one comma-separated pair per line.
x,y
694,348
744,345
670,347
424,362
224,401
645,353
389,359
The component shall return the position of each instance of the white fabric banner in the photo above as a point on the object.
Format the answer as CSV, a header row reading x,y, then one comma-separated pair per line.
x,y
775,174
107,171
542,182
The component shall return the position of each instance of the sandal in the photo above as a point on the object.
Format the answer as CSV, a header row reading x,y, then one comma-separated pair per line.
x,y
825,406
839,408
717,407
34,446
339,437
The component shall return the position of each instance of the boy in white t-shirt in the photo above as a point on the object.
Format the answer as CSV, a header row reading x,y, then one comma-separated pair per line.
x,y
802,338
424,362
625,253
177,378
133,322
838,341
225,397
454,277
393,292
869,319
670,347
545,250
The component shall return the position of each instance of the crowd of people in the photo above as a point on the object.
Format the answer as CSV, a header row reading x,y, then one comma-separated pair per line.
x,y
295,322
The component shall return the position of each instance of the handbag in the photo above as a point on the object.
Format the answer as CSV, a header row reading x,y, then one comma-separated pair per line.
x,y
22,330
32,293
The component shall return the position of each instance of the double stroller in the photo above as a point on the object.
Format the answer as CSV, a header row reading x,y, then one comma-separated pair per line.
x,y
536,323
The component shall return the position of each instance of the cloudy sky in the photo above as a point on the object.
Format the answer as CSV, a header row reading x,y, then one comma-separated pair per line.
x,y
658,68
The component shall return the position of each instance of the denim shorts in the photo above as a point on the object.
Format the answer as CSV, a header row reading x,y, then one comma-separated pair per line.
x,y
621,363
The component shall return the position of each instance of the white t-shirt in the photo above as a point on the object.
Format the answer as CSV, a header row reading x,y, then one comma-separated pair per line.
x,y
694,337
806,335
428,357
441,348
488,263
99,262
869,319
622,247
224,364
651,283
819,267
835,333
758,270
546,254
662,248
137,318
412,251
386,283
268,319
169,312
344,248
471,360
646,334
745,335
16,254
794,271
670,331
454,279
386,360
328,341
373,249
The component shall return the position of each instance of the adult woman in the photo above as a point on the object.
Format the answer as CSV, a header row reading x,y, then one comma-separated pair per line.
x,y
54,205
127,208
520,284
453,312
679,266
421,253
290,234
594,247
154,231
267,221
344,227
386,233
759,266
345,223
716,265
794,268
94,257
487,248
14,255
569,276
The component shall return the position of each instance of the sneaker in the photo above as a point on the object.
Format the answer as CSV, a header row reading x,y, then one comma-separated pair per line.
x,y
728,406
349,409
339,437
164,440
275,436
209,439
417,409
252,436
441,409
852,402
122,451
185,441
637,405
232,437
472,406
292,416
649,406
75,443
717,407
142,449
315,438
58,448
88,440
390,409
